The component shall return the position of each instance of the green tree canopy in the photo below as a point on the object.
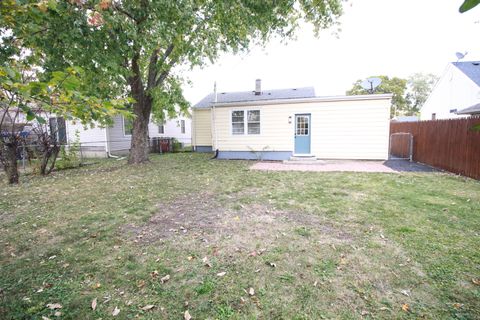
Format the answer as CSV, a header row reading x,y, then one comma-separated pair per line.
x,y
138,48
394,85
409,95
419,87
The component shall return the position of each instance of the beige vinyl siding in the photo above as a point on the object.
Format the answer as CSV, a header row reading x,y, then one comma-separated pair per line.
x,y
339,129
202,129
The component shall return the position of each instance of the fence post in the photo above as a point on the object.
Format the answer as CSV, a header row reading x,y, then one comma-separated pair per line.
x,y
23,156
411,147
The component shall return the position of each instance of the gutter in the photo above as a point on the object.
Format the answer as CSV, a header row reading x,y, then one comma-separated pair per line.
x,y
303,100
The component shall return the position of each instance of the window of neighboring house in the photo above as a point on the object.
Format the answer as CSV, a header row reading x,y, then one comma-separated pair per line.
x,y
58,129
127,126
182,126
434,116
161,129
249,124
238,122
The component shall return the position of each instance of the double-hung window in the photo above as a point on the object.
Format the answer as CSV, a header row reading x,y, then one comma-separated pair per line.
x,y
238,122
245,122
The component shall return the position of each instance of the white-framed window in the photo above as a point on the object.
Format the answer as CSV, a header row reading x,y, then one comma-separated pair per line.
x,y
238,122
161,128
245,122
182,126
127,126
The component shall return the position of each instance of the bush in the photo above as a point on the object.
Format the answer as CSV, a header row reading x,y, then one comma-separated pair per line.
x,y
176,145
69,156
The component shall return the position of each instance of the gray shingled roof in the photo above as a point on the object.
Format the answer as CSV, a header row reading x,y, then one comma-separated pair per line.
x,y
471,69
471,110
247,96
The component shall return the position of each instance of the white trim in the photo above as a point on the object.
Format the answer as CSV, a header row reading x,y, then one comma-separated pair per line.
x,y
301,100
245,122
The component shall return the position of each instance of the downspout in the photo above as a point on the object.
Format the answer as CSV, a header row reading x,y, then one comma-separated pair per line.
x,y
107,146
214,127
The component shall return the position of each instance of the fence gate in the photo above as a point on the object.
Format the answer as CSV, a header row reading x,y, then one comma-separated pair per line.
x,y
401,146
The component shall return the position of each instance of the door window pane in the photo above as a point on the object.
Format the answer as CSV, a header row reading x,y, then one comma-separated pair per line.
x,y
302,126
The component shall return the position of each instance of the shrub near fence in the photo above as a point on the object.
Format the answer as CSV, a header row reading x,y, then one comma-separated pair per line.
x,y
451,144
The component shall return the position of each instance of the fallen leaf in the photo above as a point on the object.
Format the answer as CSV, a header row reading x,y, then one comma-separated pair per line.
x,y
251,291
457,305
315,283
94,304
221,274
405,293
115,312
165,279
57,314
187,315
476,282
54,306
148,307
141,283
45,318
154,274
405,307
97,285
206,262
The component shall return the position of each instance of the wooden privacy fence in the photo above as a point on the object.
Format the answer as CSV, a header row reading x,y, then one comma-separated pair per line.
x,y
451,144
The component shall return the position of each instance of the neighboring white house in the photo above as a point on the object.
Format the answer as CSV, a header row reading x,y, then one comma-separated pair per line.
x,y
458,88
278,124
116,139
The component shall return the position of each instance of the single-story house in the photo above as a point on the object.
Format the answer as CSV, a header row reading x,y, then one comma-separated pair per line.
x,y
98,141
279,124
116,139
472,111
457,89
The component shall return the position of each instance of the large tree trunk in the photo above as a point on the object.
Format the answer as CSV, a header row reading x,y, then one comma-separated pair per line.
x,y
139,146
142,109
9,155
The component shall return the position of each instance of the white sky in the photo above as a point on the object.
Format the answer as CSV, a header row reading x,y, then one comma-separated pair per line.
x,y
377,37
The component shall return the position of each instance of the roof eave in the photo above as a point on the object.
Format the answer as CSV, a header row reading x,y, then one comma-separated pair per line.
x,y
301,100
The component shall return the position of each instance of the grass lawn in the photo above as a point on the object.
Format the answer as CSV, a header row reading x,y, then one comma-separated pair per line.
x,y
185,233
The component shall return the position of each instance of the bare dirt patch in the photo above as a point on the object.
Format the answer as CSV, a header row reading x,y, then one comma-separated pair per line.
x,y
203,218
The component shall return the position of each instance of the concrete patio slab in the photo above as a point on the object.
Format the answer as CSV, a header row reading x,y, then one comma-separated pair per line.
x,y
346,166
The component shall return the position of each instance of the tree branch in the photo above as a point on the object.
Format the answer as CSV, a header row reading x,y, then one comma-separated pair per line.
x,y
152,68
124,12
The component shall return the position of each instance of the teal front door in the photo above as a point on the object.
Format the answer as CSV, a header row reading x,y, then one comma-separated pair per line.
x,y
302,134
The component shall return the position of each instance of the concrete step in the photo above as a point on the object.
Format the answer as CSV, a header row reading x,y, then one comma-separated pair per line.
x,y
303,160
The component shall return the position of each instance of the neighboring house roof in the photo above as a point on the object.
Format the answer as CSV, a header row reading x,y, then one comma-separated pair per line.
x,y
471,110
406,119
471,69
250,96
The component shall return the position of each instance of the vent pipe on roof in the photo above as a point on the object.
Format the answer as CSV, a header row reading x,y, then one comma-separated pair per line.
x,y
258,87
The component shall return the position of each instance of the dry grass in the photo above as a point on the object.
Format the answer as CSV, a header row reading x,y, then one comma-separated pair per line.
x,y
312,246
